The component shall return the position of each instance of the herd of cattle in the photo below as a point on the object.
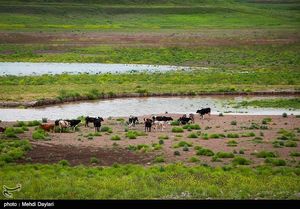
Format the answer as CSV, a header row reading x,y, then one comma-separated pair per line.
x,y
157,122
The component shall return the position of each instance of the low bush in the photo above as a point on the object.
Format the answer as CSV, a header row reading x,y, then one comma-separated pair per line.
x,y
265,154
115,138
161,141
94,160
159,159
233,123
182,144
10,133
194,160
33,123
225,155
64,163
193,135
232,143
11,150
192,126
275,162
249,134
232,135
106,129
175,123
163,137
290,143
177,130
176,153
265,121
185,148
240,161
40,134
295,154
205,152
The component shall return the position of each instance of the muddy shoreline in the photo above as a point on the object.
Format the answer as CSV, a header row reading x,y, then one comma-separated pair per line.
x,y
55,101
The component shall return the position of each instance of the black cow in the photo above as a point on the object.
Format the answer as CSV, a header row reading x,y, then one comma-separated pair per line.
x,y
161,118
97,123
184,120
148,124
132,120
89,120
57,122
204,111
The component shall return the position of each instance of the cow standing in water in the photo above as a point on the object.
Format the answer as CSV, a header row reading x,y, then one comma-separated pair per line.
x,y
203,112
97,124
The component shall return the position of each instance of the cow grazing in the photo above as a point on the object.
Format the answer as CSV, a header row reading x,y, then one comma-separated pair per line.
x,y
74,123
148,124
89,120
162,118
2,129
97,123
184,120
48,126
159,125
132,121
63,124
204,111
192,117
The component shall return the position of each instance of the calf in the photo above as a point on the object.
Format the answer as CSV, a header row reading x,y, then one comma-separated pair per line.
x,y
184,120
204,111
148,124
48,126
159,125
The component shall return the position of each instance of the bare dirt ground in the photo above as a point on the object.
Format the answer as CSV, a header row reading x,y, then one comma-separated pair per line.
x,y
60,41
78,149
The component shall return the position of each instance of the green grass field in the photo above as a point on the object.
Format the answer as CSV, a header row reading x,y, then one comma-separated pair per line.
x,y
154,15
156,182
26,88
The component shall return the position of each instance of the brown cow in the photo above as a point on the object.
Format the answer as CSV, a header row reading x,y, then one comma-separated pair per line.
x,y
47,126
2,129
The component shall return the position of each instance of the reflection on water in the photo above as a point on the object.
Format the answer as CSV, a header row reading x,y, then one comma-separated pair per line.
x,y
138,107
28,68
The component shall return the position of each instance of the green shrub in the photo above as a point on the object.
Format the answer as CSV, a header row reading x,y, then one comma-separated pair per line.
x,y
19,130
177,130
159,159
278,144
182,144
156,146
161,141
64,163
175,123
275,162
163,137
25,128
263,127
284,115
176,153
115,138
232,143
105,129
193,135
233,123
33,123
249,134
131,135
11,150
194,160
19,124
40,134
185,148
94,160
266,120
254,126
191,126
295,154
290,143
225,155
257,139
286,135
241,152
240,161
10,132
265,154
205,152
232,135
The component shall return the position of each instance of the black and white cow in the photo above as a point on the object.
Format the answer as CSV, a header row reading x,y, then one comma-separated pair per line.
x,y
203,112
133,120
